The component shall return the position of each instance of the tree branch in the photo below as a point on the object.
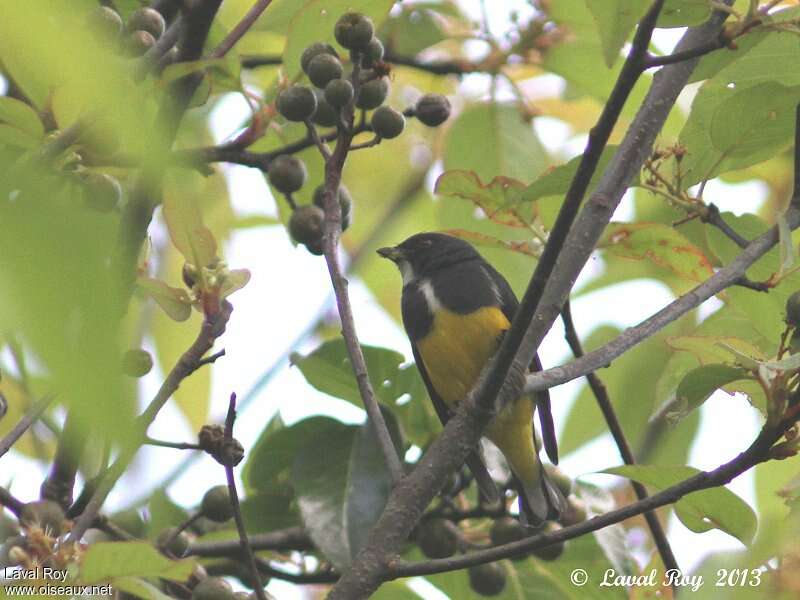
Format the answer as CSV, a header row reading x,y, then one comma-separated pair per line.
x,y
282,540
604,402
238,32
28,419
757,453
212,328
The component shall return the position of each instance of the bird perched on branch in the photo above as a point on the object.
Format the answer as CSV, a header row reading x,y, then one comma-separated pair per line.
x,y
456,308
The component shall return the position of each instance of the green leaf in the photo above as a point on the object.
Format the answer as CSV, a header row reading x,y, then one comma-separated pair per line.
x,y
396,384
314,22
185,224
108,560
269,510
555,182
16,138
682,13
341,491
174,301
660,244
164,513
615,21
710,349
699,383
754,120
492,139
19,115
269,462
139,588
492,198
715,508
421,25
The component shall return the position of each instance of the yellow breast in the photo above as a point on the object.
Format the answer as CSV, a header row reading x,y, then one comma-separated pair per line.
x,y
457,348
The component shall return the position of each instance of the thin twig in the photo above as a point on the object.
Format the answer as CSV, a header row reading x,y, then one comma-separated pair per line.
x,y
237,509
25,422
10,502
713,217
282,540
604,402
314,135
208,360
701,50
211,329
238,32
175,445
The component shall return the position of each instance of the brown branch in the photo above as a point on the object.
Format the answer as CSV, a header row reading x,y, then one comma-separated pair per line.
x,y
237,509
212,328
238,32
604,402
28,419
282,540
10,502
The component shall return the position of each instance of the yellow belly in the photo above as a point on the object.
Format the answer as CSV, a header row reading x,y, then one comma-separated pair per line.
x,y
454,353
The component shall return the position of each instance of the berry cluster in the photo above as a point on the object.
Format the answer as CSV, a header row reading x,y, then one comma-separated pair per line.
x,y
335,93
136,36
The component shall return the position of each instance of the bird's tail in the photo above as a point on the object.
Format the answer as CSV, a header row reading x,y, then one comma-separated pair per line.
x,y
539,499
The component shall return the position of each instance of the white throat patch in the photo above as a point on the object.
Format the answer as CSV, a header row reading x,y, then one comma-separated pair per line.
x,y
426,287
406,272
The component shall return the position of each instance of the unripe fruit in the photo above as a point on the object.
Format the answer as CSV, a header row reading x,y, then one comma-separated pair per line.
x,y
339,92
305,225
575,512
345,200
553,551
506,530
189,275
562,481
372,54
101,192
216,504
432,109
286,173
104,22
12,550
297,103
137,363
793,310
387,122
146,19
176,545
353,31
324,68
326,115
316,247
487,579
45,514
138,42
314,50
437,539
212,588
372,93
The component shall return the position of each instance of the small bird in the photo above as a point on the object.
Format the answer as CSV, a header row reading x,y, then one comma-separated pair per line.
x,y
456,308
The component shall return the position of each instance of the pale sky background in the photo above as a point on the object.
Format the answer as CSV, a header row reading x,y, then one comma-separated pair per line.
x,y
255,338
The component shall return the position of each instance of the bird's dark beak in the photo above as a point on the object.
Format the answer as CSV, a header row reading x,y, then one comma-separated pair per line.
x,y
393,253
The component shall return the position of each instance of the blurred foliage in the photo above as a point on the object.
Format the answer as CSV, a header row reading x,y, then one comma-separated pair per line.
x,y
75,107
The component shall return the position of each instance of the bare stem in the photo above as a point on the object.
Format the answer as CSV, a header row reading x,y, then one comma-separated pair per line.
x,y
238,32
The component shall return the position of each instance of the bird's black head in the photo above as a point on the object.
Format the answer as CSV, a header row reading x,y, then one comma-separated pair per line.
x,y
425,253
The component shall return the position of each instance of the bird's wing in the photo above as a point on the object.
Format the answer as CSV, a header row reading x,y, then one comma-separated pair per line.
x,y
485,482
509,305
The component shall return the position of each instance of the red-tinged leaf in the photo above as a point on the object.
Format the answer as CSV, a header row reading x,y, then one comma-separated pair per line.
x,y
660,244
481,239
174,301
235,280
492,198
185,224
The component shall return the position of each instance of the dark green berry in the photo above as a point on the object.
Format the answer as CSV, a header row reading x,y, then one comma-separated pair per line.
x,y
146,19
339,92
45,514
575,512
212,588
175,545
189,275
297,103
316,248
137,363
324,68
286,173
314,50
345,200
437,538
562,481
387,122
101,192
353,31
488,579
305,224
372,54
216,504
553,551
104,22
506,530
372,93
793,310
138,42
432,109
326,115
